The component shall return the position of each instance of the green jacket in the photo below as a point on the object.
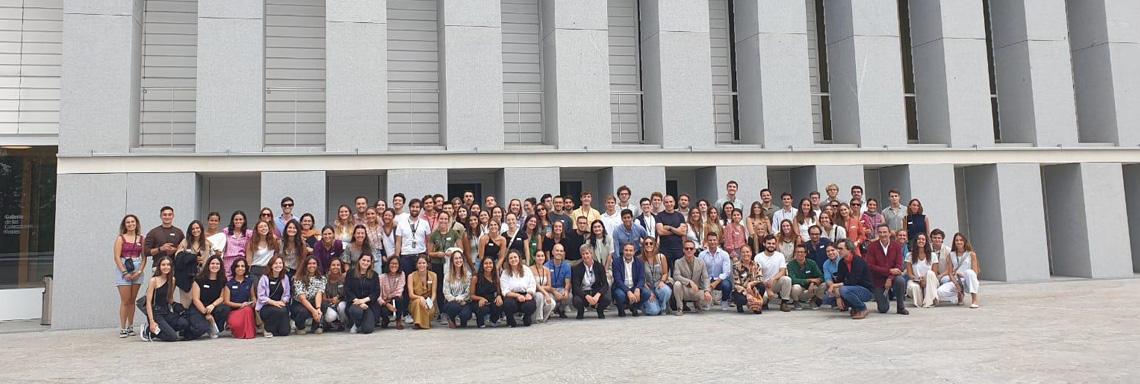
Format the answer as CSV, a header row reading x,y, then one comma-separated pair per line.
x,y
801,273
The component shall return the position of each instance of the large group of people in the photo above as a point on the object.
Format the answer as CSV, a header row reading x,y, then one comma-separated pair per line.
x,y
425,260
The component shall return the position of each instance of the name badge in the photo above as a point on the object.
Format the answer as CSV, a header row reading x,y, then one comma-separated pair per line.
x,y
272,283
206,286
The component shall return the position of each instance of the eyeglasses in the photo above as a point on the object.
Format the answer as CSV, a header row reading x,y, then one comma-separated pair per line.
x,y
690,248
287,205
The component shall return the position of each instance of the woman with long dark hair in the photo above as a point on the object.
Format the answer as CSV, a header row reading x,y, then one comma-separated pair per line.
x,y
237,237
328,249
487,300
916,222
922,268
392,303
293,248
130,261
362,294
238,295
273,294
603,245
358,246
261,249
335,295
308,297
164,322
209,313
492,245
533,238
805,218
960,273
309,231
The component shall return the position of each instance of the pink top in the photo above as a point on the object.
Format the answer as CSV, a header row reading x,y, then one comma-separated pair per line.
x,y
235,245
131,250
734,239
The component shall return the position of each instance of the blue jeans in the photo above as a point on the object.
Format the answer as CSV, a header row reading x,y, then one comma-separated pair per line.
x,y
855,296
622,301
657,307
725,288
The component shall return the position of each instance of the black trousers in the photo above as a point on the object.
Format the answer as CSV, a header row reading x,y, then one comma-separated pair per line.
x,y
169,325
512,306
363,319
459,313
275,320
490,312
199,326
387,315
898,285
580,302
300,314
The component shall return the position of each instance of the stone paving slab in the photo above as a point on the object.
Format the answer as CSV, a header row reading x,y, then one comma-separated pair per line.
x,y
1069,331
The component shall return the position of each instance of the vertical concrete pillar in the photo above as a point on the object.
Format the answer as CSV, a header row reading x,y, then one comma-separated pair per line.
x,y
643,181
231,80
951,74
1034,76
712,183
356,75
414,183
522,183
1007,224
1105,43
74,303
806,180
471,65
1088,232
100,76
772,73
1132,195
676,57
576,73
932,184
865,64
308,190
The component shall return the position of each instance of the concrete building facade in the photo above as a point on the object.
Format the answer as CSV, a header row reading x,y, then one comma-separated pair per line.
x,y
1009,119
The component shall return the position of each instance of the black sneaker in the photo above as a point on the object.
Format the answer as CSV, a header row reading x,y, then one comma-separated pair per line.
x,y
817,301
562,314
903,311
145,334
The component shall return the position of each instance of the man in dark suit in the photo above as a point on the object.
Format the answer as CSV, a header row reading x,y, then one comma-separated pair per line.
x,y
589,283
884,258
629,277
852,282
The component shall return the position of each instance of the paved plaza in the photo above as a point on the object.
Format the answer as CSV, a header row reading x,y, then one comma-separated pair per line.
x,y
1059,331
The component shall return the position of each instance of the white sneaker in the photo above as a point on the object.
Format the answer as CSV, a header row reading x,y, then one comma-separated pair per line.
x,y
724,306
353,330
214,330
268,335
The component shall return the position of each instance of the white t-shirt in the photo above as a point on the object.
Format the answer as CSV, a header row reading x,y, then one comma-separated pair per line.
x,y
770,265
413,235
921,267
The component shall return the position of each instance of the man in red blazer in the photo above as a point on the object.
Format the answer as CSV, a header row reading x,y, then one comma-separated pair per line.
x,y
884,257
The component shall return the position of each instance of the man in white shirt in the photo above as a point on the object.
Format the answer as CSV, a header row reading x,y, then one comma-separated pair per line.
x,y
785,213
647,220
814,198
611,219
774,273
732,187
411,237
624,194
398,206
718,265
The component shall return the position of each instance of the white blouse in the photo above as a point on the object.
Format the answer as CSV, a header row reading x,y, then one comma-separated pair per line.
x,y
517,284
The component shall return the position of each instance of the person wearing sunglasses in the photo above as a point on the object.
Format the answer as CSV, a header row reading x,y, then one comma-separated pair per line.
x,y
691,280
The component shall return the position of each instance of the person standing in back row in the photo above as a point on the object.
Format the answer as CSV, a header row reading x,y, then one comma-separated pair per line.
x,y
671,228
163,240
411,237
